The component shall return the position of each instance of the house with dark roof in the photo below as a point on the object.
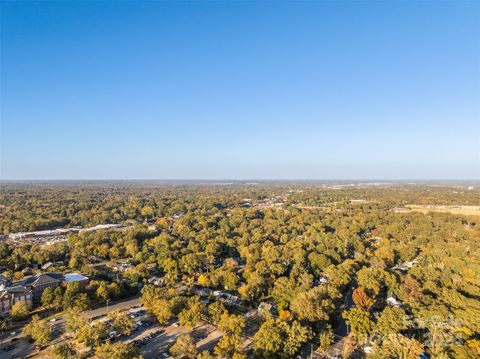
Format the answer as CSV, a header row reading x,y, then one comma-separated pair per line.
x,y
37,284
12,295
4,282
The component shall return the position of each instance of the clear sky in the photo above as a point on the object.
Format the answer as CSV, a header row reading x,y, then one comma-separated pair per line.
x,y
246,90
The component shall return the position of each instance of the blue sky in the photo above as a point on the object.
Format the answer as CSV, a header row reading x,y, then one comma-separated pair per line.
x,y
239,90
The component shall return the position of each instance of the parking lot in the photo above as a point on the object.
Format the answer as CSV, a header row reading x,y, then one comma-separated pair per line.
x,y
151,338
154,340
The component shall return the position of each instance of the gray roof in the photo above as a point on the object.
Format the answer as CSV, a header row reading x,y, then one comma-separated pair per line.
x,y
18,290
42,279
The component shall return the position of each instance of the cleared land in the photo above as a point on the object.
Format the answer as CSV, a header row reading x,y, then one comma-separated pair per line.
x,y
462,210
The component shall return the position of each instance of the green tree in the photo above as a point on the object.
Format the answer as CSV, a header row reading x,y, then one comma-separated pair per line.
x,y
359,321
80,302
184,348
121,322
47,297
318,262
114,290
39,331
297,335
215,311
230,280
119,350
147,211
396,346
205,355
269,340
162,310
170,266
74,321
193,314
230,346
57,298
102,291
277,339
64,351
71,293
372,280
391,321
20,310
231,324
326,338
313,305
92,336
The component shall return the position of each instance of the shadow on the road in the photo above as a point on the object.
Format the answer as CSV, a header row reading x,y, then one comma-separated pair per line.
x,y
209,345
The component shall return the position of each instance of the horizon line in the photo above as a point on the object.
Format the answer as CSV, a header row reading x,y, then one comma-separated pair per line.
x,y
389,180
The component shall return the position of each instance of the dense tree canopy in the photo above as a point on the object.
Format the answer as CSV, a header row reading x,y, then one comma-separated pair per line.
x,y
319,255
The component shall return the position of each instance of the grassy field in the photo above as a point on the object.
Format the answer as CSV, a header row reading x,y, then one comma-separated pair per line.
x,y
462,210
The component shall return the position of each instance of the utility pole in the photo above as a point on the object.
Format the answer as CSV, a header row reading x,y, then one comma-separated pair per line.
x,y
108,300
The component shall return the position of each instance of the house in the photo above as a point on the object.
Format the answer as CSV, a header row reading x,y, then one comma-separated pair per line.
x,y
204,292
37,284
265,308
12,295
393,301
75,277
250,314
152,228
4,282
368,349
156,281
181,288
27,271
152,267
122,267
232,299
322,280
406,265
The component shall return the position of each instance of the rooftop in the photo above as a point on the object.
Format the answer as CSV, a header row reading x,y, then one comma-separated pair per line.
x,y
74,277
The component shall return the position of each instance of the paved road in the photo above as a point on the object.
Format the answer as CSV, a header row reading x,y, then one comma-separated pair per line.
x,y
21,348
341,329
341,325
126,304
